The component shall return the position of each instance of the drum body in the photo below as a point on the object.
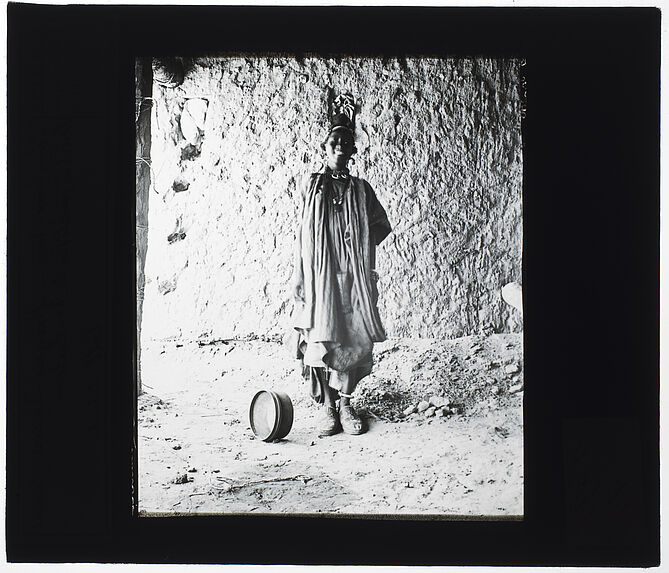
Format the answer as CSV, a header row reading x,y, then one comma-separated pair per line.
x,y
271,415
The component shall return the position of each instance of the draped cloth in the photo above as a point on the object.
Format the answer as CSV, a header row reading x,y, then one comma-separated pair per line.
x,y
335,289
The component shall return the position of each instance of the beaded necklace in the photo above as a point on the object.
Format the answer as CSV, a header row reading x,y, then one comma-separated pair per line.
x,y
336,193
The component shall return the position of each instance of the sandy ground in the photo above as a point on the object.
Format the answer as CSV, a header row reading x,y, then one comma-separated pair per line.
x,y
197,453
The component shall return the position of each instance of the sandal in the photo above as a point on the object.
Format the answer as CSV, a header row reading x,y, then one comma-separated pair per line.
x,y
350,421
329,424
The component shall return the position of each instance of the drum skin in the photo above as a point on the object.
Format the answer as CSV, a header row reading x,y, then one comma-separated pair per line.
x,y
271,415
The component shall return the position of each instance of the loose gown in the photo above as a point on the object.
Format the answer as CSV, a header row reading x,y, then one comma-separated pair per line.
x,y
336,316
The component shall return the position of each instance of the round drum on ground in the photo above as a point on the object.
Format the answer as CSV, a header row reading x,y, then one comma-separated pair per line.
x,y
271,415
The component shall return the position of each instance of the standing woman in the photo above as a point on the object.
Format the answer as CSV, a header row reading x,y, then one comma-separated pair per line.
x,y
336,316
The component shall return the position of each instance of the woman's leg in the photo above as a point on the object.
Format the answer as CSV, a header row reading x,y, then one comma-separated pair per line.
x,y
328,423
321,391
350,421
347,387
330,396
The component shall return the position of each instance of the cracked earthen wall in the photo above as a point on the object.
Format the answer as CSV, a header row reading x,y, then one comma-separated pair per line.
x,y
439,141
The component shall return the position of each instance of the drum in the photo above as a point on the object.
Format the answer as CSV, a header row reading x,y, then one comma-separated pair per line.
x,y
271,415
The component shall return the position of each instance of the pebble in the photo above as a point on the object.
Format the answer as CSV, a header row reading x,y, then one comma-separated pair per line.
x,y
422,406
495,390
443,412
502,431
180,186
515,388
439,401
430,411
512,368
410,410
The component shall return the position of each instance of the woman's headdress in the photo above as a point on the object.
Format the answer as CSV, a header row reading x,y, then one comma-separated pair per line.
x,y
343,112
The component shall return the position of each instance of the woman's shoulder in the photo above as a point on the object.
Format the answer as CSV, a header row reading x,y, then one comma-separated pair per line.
x,y
307,183
309,179
361,182
363,185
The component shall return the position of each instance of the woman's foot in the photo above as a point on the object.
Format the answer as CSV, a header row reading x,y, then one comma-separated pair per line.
x,y
350,421
328,423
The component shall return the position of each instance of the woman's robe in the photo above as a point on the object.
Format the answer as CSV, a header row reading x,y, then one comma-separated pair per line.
x,y
335,290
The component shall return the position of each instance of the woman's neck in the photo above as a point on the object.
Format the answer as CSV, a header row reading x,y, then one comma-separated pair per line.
x,y
334,167
337,170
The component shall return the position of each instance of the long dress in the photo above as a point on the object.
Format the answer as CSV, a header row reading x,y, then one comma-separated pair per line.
x,y
336,315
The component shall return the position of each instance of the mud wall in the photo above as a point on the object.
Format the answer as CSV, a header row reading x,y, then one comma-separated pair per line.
x,y
439,141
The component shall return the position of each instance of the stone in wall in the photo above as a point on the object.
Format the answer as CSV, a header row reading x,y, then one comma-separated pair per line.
x,y
439,141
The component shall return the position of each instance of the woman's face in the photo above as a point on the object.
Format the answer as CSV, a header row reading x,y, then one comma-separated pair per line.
x,y
339,148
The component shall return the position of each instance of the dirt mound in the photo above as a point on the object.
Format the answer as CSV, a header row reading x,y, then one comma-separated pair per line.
x,y
466,372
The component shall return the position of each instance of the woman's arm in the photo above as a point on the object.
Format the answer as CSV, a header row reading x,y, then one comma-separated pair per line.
x,y
379,226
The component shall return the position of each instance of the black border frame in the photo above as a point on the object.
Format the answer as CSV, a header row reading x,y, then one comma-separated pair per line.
x,y
591,282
